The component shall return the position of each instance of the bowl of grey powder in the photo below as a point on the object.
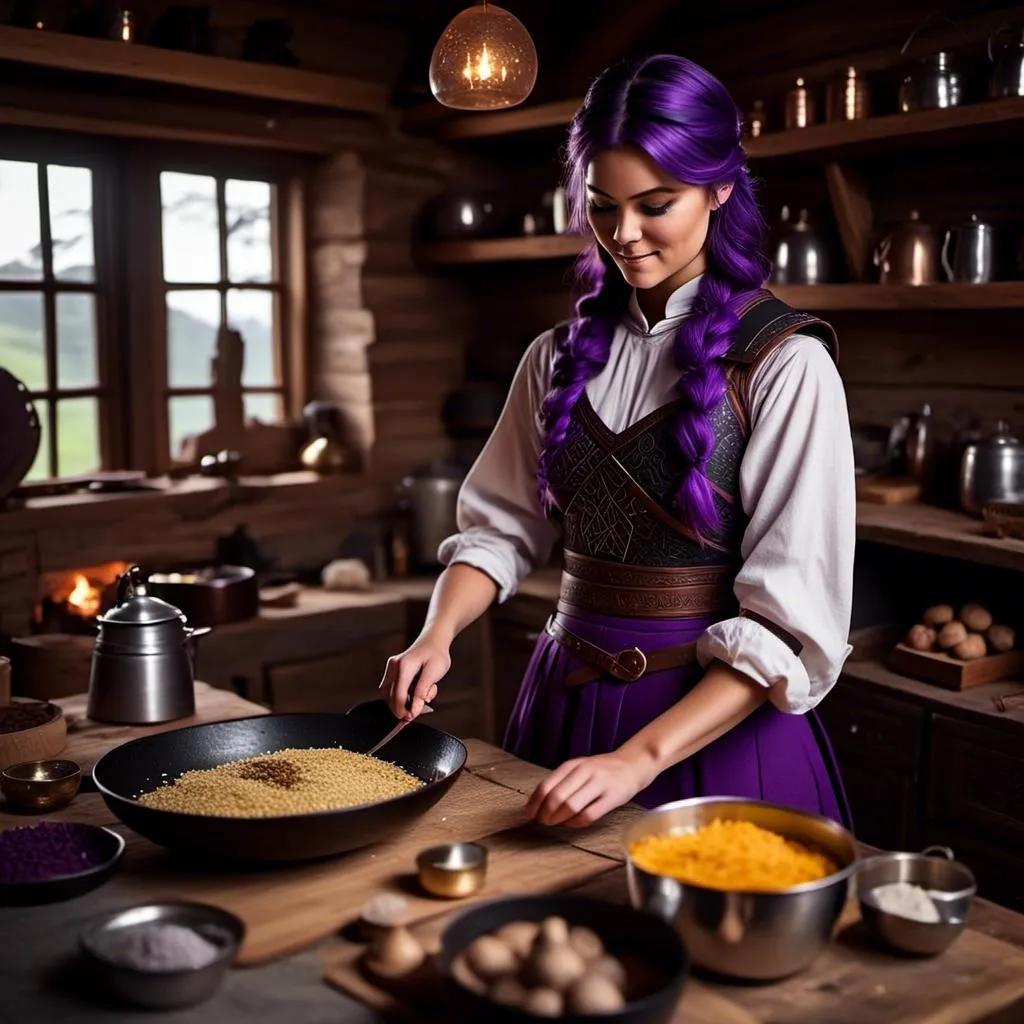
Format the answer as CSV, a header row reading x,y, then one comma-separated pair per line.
x,y
163,955
915,903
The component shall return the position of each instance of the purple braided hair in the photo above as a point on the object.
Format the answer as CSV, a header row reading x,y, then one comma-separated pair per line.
x,y
686,121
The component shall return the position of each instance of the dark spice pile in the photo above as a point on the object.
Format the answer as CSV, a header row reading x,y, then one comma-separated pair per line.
x,y
36,852
276,772
16,717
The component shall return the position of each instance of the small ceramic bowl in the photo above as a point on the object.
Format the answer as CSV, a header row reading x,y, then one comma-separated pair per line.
x,y
40,786
453,870
163,989
951,884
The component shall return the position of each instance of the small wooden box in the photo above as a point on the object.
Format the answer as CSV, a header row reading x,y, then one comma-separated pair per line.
x,y
951,673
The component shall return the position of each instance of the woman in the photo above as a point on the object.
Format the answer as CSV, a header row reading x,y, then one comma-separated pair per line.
x,y
686,437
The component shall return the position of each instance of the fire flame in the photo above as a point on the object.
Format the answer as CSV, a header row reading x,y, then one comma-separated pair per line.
x,y
84,598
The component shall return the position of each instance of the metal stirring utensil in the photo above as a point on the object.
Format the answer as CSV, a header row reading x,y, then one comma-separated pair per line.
x,y
427,710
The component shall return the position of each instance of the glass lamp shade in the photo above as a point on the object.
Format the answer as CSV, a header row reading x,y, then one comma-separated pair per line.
x,y
484,60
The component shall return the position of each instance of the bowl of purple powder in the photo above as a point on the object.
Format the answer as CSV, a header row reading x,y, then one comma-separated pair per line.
x,y
163,955
55,860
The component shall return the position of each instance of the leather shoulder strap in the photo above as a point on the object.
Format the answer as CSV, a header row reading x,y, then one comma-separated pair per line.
x,y
766,320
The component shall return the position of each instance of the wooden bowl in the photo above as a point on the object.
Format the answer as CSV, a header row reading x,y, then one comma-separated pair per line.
x,y
36,743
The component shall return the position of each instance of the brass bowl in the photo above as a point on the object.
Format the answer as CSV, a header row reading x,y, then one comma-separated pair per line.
x,y
453,870
40,786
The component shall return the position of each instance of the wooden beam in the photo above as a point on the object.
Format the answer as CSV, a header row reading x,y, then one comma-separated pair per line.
x,y
190,70
852,208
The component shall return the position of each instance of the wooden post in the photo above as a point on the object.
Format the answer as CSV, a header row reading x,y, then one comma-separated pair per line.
x,y
853,216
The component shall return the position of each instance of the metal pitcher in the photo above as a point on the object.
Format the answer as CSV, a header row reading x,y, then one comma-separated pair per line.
x,y
934,81
143,663
992,469
908,254
801,256
1007,78
968,252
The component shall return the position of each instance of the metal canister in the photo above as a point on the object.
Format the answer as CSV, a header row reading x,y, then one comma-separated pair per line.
x,y
847,97
800,109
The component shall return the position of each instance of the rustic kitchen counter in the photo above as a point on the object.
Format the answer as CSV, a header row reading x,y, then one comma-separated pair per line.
x,y
41,980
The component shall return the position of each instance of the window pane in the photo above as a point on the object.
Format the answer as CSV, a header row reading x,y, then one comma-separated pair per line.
x,y
21,255
251,313
41,467
78,436
22,349
191,233
76,340
247,213
266,408
71,223
189,415
193,320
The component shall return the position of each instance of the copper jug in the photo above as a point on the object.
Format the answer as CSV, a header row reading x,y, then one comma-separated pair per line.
x,y
908,254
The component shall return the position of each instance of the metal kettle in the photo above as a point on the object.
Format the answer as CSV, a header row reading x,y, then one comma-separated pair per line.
x,y
143,663
1007,77
992,469
973,252
801,256
908,254
934,82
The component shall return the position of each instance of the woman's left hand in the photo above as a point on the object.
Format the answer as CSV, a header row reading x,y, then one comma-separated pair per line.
x,y
579,792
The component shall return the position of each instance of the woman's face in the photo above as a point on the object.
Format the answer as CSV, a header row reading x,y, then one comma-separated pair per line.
x,y
653,225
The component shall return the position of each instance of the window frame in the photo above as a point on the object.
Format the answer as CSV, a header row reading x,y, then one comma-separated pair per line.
x,y
41,148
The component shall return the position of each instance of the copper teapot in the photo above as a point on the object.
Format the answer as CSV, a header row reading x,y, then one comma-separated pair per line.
x,y
908,254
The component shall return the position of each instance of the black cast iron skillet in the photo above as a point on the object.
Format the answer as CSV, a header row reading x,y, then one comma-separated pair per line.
x,y
143,764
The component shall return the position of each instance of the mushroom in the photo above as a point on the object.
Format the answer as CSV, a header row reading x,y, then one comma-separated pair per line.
x,y
594,993
552,962
489,958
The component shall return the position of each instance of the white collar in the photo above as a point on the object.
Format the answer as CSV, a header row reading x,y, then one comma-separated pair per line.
x,y
678,305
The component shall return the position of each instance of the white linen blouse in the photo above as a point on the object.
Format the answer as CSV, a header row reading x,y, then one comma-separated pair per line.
x,y
797,487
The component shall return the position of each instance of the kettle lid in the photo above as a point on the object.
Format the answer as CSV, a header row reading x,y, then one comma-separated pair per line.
x,y
134,605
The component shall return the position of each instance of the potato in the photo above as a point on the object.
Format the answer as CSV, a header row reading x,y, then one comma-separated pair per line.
x,y
467,977
519,936
951,634
612,968
543,1002
508,991
594,993
586,943
489,958
921,638
975,618
938,615
971,648
1001,638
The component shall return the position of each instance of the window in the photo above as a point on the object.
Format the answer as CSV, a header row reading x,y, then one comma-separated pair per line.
x,y
50,307
220,270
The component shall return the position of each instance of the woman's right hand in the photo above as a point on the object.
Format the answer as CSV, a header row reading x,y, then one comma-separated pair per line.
x,y
415,671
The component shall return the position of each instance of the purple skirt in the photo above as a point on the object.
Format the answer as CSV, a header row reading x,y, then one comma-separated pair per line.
x,y
770,755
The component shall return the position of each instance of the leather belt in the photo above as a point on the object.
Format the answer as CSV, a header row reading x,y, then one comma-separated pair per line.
x,y
628,665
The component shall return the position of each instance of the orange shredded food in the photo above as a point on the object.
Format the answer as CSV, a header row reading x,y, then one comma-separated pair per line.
x,y
732,855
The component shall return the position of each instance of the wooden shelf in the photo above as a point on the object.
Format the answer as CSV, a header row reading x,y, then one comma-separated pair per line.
x,y
893,130
997,295
936,531
195,71
496,250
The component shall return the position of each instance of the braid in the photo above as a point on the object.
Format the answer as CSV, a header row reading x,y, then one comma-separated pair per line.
x,y
582,353
705,337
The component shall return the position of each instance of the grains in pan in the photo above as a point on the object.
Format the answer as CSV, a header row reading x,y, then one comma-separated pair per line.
x,y
285,782
732,855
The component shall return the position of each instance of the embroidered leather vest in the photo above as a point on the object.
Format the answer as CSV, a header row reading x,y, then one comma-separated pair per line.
x,y
616,491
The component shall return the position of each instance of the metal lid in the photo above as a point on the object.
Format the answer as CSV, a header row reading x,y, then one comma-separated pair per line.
x,y
135,606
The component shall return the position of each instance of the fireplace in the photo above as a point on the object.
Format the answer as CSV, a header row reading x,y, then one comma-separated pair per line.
x,y
70,601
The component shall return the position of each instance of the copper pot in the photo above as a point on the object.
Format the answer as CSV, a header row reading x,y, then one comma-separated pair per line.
x,y
847,97
908,254
800,110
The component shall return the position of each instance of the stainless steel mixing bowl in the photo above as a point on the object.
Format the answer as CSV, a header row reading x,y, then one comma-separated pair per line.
x,y
758,936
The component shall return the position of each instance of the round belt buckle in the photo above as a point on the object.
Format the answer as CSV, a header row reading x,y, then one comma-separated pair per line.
x,y
633,663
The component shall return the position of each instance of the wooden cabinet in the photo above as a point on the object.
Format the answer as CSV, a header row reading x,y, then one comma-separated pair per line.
x,y
513,645
878,743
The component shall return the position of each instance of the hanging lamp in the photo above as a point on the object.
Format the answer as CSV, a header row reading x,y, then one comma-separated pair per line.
x,y
484,60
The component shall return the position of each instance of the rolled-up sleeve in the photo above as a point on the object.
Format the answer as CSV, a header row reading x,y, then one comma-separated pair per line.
x,y
797,486
502,529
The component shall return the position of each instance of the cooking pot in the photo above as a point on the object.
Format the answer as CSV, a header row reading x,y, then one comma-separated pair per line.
x,y
908,254
432,494
992,469
143,662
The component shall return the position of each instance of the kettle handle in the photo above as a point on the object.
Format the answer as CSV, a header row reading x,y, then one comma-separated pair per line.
x,y
130,584
927,21
945,254
992,38
882,250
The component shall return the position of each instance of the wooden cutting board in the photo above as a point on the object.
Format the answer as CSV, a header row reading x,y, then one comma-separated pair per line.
x,y
852,982
290,909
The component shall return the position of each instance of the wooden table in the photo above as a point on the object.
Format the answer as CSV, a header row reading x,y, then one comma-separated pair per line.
x,y
37,944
